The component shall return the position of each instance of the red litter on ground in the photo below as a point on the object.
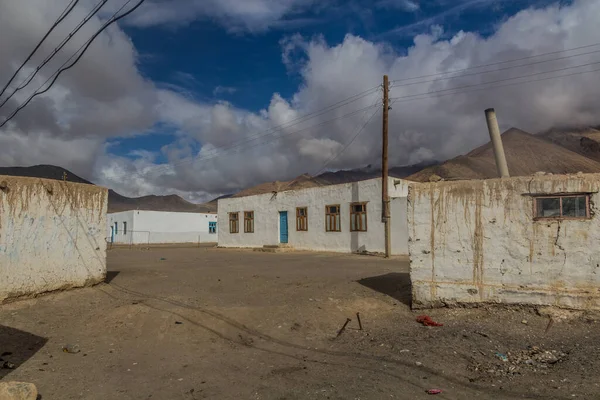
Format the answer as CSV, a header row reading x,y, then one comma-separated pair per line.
x,y
427,321
434,391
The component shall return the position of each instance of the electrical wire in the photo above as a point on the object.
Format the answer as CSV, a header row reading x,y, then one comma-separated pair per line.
x,y
500,80
302,119
335,157
497,63
62,44
495,70
217,154
403,99
60,18
85,46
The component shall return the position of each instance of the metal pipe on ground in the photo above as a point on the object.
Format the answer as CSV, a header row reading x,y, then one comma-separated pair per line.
x,y
492,123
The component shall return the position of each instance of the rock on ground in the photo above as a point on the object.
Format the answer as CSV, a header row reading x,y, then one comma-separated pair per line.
x,y
18,391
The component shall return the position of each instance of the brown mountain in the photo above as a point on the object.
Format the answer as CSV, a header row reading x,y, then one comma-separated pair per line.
x,y
116,202
525,155
584,141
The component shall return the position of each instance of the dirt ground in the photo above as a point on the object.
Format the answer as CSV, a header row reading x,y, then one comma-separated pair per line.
x,y
206,323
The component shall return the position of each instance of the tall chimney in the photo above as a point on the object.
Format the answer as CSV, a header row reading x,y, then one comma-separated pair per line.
x,y
492,123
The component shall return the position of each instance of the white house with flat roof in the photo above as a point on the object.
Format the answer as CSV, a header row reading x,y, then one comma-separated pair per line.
x,y
146,227
339,218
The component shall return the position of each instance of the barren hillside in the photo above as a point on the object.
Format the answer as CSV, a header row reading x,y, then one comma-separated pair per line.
x,y
525,155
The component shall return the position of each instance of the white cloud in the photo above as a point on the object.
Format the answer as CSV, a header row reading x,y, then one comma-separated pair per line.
x,y
224,90
404,5
234,15
220,148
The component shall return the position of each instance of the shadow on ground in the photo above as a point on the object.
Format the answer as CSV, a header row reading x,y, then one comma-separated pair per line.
x,y
110,275
395,284
16,347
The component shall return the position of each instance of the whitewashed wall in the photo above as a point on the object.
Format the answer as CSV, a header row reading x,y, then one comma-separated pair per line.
x,y
266,209
144,227
52,235
477,241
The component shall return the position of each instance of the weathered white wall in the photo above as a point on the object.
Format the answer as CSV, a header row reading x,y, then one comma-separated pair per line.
x,y
52,235
476,241
266,209
145,227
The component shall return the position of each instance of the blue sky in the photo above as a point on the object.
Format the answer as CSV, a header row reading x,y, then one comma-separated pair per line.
x,y
211,63
196,97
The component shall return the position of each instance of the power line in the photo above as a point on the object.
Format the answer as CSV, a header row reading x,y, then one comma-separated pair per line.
x,y
85,46
335,157
496,70
217,154
303,118
60,18
497,63
427,95
500,80
62,44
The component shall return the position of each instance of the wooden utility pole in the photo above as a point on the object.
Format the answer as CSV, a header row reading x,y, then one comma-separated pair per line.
x,y
385,198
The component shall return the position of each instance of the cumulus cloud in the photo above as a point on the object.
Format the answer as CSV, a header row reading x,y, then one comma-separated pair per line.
x,y
220,148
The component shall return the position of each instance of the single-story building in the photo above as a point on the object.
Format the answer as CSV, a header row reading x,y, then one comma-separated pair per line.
x,y
145,227
340,218
527,240
51,235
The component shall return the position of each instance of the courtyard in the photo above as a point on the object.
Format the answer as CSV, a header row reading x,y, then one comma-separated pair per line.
x,y
205,323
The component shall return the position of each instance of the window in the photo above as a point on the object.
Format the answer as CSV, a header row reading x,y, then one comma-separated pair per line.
x,y
332,218
212,227
233,223
358,217
577,206
248,221
124,228
116,228
301,219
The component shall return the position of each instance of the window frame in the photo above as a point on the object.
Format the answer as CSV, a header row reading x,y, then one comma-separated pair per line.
x,y
116,228
248,220
124,227
302,220
234,222
212,224
354,214
560,197
337,216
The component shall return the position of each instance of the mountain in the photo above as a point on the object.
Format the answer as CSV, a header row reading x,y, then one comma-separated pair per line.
x,y
526,154
330,178
558,151
584,141
369,172
116,202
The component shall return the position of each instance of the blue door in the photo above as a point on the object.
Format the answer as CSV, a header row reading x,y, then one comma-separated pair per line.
x,y
283,227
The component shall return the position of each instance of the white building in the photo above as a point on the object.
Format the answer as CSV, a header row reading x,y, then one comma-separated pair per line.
x,y
340,218
145,227
523,240
52,235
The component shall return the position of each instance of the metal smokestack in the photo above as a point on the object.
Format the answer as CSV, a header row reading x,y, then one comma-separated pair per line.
x,y
492,123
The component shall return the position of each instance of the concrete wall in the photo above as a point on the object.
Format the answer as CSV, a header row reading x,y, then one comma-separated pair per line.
x,y
477,241
144,227
52,235
266,209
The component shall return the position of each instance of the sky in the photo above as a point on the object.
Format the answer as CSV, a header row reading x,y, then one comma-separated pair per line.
x,y
206,97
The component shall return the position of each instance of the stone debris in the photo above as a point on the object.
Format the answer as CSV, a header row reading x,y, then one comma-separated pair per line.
x,y
18,391
532,359
71,348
